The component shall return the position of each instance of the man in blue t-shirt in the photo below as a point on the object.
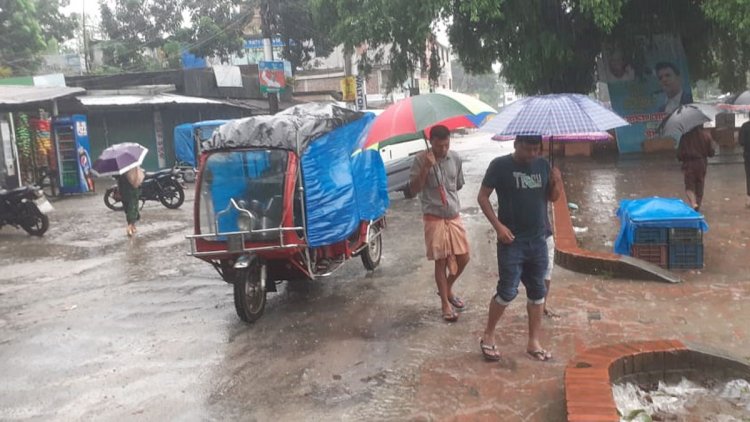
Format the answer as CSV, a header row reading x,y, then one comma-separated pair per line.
x,y
524,183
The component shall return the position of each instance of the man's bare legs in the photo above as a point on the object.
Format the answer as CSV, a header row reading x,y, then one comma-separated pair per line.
x,y
692,198
534,311
535,325
496,311
441,279
461,261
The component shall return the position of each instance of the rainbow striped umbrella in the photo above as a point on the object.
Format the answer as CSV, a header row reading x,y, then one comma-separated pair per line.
x,y
412,117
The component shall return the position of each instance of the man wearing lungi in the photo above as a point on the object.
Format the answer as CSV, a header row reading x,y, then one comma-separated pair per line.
x,y
437,176
524,183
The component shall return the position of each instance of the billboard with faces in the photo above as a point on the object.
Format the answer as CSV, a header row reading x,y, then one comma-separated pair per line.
x,y
646,81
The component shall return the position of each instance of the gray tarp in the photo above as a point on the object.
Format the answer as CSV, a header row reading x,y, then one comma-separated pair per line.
x,y
294,126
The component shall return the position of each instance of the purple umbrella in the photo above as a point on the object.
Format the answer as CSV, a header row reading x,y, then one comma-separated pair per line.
x,y
119,158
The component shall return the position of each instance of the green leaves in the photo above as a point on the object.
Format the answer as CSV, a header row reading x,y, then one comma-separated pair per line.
x,y
397,30
732,15
22,37
132,26
544,45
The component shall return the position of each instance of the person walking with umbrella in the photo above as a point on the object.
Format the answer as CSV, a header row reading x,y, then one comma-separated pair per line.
x,y
695,148
524,183
437,176
695,145
129,185
123,161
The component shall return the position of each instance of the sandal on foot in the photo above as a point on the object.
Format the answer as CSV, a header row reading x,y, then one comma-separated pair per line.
x,y
456,301
490,353
551,315
450,316
540,355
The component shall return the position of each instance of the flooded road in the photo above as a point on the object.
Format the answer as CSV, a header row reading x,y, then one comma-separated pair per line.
x,y
94,325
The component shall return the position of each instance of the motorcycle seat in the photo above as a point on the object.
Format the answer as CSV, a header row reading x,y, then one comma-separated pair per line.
x,y
158,173
4,192
14,191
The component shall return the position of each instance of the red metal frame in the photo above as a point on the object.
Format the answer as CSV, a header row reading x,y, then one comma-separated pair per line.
x,y
284,263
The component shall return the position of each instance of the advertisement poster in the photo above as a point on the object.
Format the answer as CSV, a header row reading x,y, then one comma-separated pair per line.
x,y
271,76
348,89
644,87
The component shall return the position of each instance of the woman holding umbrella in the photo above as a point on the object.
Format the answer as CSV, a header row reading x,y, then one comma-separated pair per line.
x,y
123,161
130,192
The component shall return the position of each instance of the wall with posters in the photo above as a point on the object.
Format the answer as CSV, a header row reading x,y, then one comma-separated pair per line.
x,y
645,86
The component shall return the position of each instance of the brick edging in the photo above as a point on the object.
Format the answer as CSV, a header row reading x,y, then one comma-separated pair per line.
x,y
588,376
569,255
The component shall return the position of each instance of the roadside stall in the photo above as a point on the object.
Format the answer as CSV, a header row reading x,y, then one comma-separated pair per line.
x,y
30,149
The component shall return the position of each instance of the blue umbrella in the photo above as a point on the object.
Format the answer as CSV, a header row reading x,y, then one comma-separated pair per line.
x,y
553,114
119,158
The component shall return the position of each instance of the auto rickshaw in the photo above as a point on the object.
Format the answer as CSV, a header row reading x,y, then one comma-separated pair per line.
x,y
288,197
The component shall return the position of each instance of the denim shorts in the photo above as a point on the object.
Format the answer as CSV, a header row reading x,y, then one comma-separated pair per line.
x,y
522,261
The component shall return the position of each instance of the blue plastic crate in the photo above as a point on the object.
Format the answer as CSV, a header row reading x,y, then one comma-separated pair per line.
x,y
651,235
690,236
650,252
685,256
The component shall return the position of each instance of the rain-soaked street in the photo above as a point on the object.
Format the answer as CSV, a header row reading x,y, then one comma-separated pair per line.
x,y
95,326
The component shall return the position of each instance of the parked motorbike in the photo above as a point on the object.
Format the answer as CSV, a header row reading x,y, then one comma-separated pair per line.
x,y
188,172
25,207
164,186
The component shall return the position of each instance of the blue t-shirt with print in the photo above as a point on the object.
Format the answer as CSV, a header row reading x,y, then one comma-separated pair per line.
x,y
521,195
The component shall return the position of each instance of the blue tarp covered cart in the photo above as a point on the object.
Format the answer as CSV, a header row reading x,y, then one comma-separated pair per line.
x,y
189,136
288,197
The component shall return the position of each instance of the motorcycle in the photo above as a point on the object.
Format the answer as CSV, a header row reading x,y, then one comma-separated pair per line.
x,y
164,186
25,207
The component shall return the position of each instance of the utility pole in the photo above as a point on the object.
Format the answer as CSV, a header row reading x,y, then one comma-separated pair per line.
x,y
266,18
87,66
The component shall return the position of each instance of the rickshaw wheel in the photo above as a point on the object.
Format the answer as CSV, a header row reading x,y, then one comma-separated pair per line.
x,y
374,250
249,296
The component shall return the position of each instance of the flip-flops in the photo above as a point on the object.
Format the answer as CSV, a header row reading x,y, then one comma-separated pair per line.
x,y
490,353
456,301
540,355
450,316
551,315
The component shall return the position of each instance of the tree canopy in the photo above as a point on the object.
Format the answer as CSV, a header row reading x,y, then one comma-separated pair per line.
x,y
544,45
134,25
26,27
393,30
216,28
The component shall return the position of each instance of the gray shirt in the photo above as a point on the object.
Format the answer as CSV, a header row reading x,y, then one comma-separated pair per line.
x,y
450,174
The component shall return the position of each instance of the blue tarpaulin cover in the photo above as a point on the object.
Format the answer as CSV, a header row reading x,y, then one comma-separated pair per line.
x,y
342,187
184,145
670,213
342,184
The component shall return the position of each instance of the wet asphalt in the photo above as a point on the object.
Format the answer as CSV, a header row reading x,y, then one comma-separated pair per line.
x,y
96,326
